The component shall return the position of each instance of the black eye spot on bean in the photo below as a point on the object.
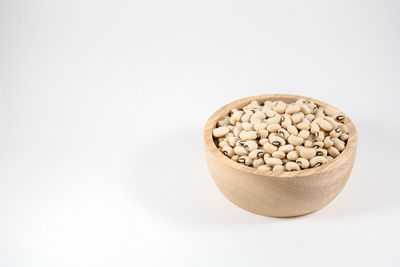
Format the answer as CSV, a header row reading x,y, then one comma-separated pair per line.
x,y
260,154
338,130
320,153
241,160
315,146
340,117
282,134
226,153
241,142
276,143
314,110
299,163
316,134
317,164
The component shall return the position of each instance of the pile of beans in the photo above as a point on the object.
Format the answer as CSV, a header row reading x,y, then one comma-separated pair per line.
x,y
278,136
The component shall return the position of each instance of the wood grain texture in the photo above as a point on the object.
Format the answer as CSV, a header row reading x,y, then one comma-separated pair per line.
x,y
278,194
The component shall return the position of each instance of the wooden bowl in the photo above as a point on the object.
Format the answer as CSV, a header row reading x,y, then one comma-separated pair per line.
x,y
272,193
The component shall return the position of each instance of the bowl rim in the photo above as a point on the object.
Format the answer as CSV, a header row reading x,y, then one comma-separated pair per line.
x,y
224,110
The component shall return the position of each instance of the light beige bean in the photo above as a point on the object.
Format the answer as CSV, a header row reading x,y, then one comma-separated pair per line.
x,y
273,161
344,128
240,150
338,144
292,130
237,131
278,168
303,163
256,154
277,140
333,152
262,141
270,113
279,154
292,155
283,133
328,142
250,145
279,107
246,116
314,127
310,117
336,132
305,109
344,137
319,136
248,135
269,147
321,152
286,120
317,161
264,167
303,125
286,148
297,117
263,134
228,151
308,143
223,144
295,140
292,166
273,128
223,122
258,162
303,134
232,140
266,156
246,160
308,153
324,124
235,158
220,131
258,115
247,126
275,119
329,158
318,145
259,126
292,108
236,116
332,121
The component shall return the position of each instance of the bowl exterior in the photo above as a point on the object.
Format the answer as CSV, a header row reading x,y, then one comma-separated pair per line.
x,y
279,196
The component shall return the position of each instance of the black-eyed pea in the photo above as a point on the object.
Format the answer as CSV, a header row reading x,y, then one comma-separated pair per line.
x,y
264,167
278,168
310,117
259,126
344,128
250,145
303,134
308,153
279,107
236,131
292,155
336,132
247,126
321,152
246,160
344,137
338,144
228,151
240,150
273,161
329,158
236,116
332,121
240,143
318,145
303,163
223,122
292,130
318,112
232,140
263,134
277,140
333,152
283,133
266,156
223,144
298,148
304,125
248,135
263,141
235,157
324,124
286,120
319,136
275,119
292,108
270,113
331,111
308,143
292,166
246,116
295,140
314,127
279,154
305,109
220,131
317,161
286,148
297,117
258,162
273,128
256,154
328,142
270,148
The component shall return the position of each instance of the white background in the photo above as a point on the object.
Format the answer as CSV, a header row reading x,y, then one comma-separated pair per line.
x,y
102,107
